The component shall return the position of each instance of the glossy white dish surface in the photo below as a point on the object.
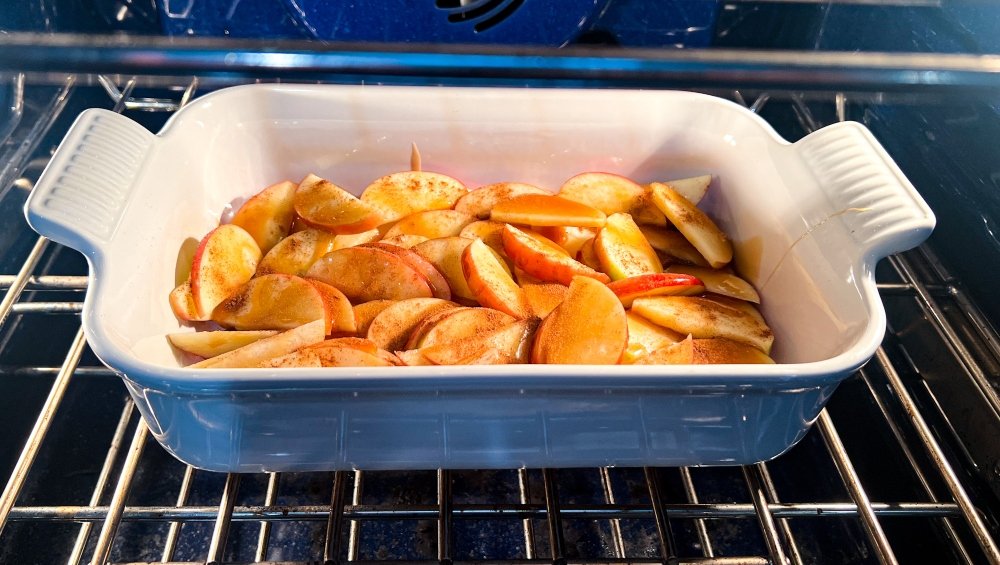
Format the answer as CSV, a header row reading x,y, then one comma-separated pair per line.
x,y
808,221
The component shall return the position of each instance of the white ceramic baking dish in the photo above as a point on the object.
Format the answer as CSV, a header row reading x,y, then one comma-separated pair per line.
x,y
809,221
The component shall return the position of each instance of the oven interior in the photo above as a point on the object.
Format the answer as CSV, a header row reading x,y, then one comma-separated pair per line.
x,y
903,465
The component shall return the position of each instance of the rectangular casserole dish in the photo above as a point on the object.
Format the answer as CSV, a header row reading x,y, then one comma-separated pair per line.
x,y
808,220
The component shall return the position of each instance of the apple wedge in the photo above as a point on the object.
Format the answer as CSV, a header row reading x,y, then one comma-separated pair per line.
x,y
696,226
547,210
645,337
588,256
704,318
296,253
324,205
455,324
392,327
365,312
367,273
439,284
480,202
281,302
544,297
431,224
445,254
486,230
673,244
655,284
267,216
255,353
720,282
569,238
338,356
401,194
294,360
413,358
211,344
353,239
710,351
589,327
693,189
611,194
490,282
226,259
513,340
182,304
543,259
405,240
489,357
623,251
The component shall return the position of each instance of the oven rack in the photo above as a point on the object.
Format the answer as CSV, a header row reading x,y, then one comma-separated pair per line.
x,y
682,529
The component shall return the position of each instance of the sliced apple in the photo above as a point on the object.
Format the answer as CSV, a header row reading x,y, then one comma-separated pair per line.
x,y
720,282
392,327
623,251
589,327
656,284
569,238
182,304
513,340
711,351
547,210
445,254
611,194
368,236
273,302
545,261
486,230
324,205
455,324
704,318
359,343
645,337
339,313
185,256
413,358
406,241
349,357
522,277
367,273
294,360
489,356
696,226
588,256
226,259
431,224
679,353
297,252
253,354
480,202
400,194
437,281
210,344
673,244
365,312
490,282
544,297
693,189
267,216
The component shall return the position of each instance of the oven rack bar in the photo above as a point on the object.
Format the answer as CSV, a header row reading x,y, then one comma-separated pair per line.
x,y
957,510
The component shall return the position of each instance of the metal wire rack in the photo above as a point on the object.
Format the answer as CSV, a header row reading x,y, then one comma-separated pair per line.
x,y
821,502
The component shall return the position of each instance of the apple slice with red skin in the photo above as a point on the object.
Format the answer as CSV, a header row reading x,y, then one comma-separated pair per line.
x,y
547,210
543,259
480,202
267,216
182,304
490,282
696,226
255,353
589,327
296,253
368,273
213,343
673,245
645,337
281,302
392,327
431,224
655,284
400,194
570,238
513,340
438,283
339,312
324,205
720,282
225,259
623,251
704,318
445,254
456,324
707,351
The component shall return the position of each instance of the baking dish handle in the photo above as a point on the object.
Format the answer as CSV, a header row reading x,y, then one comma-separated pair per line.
x,y
80,197
883,212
